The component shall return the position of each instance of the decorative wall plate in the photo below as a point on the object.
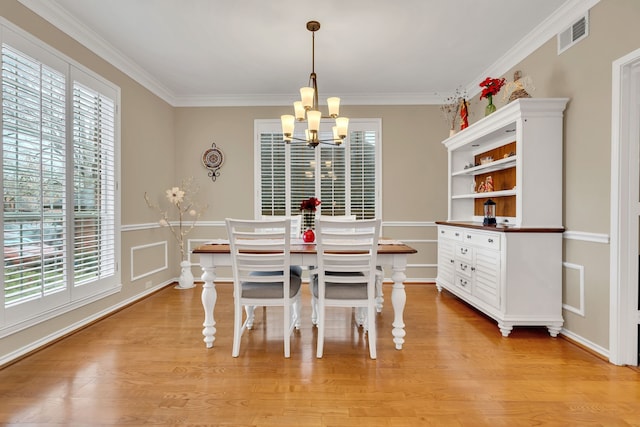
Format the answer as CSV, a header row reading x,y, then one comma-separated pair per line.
x,y
212,159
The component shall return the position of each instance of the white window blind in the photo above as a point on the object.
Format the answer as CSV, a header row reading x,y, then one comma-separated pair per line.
x,y
59,169
94,185
345,178
34,168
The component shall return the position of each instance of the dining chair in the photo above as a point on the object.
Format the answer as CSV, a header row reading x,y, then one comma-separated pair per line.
x,y
379,268
346,273
260,262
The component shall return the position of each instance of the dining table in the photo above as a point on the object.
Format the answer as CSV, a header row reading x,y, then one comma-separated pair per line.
x,y
217,253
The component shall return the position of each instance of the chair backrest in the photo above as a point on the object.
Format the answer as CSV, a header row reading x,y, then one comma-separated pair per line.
x,y
347,247
336,218
260,251
296,223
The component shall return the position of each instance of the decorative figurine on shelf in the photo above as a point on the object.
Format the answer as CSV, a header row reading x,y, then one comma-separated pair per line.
x,y
464,114
450,109
518,87
488,184
481,187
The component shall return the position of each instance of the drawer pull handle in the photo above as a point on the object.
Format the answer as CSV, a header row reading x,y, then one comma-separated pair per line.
x,y
468,236
441,231
463,267
490,240
473,269
452,261
457,234
463,251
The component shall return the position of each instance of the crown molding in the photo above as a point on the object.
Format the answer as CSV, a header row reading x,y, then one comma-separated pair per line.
x,y
569,12
61,19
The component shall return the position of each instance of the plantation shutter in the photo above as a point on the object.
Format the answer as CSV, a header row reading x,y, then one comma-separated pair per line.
x,y
333,180
363,174
94,185
33,166
272,171
344,178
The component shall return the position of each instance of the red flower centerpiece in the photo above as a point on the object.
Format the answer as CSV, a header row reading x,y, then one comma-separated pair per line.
x,y
308,208
490,87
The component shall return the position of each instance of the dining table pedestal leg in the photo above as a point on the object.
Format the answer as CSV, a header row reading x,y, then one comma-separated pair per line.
x,y
209,297
398,300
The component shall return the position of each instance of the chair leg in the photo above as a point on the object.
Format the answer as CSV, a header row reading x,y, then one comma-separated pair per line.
x,y
287,329
237,330
379,295
314,307
297,310
250,310
320,323
371,331
360,315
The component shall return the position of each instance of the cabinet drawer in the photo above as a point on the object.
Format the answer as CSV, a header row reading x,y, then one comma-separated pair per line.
x,y
453,233
463,282
464,268
464,252
485,240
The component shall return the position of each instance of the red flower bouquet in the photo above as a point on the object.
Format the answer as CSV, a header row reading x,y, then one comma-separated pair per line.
x,y
490,87
310,204
308,207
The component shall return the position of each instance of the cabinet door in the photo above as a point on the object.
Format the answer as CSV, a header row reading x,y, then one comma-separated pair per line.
x,y
445,260
487,276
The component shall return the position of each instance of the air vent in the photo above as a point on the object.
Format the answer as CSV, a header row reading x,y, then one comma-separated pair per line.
x,y
572,35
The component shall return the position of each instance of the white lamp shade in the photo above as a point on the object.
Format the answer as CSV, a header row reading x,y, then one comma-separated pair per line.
x,y
313,119
334,106
288,124
306,94
299,110
342,123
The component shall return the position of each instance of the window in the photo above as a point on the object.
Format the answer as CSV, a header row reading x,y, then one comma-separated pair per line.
x,y
59,156
345,178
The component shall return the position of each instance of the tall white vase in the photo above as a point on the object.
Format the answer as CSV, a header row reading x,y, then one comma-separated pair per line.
x,y
186,277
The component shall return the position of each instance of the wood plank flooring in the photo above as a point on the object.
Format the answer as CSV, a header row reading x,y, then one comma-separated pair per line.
x,y
147,365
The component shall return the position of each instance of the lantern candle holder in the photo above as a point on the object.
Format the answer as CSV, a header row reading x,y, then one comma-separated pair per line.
x,y
489,213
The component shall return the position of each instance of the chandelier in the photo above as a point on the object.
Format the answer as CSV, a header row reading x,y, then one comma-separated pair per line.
x,y
307,108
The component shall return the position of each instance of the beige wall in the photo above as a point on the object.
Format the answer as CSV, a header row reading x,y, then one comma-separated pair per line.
x,y
161,145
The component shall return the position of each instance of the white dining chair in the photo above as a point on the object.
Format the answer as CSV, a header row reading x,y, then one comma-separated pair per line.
x,y
346,273
379,268
260,261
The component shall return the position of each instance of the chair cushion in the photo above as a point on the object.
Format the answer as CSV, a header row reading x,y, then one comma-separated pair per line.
x,y
270,290
296,270
340,290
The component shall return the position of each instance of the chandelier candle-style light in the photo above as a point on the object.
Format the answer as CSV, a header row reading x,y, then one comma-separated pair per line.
x,y
308,109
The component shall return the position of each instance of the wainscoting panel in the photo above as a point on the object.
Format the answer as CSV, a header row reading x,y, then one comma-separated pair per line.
x,y
148,259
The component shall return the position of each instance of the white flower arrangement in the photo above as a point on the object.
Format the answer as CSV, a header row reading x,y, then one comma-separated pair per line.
x,y
182,199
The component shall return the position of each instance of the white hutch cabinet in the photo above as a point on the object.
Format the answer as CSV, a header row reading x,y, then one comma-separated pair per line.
x,y
513,271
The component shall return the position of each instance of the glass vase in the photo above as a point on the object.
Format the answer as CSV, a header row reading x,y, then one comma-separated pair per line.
x,y
490,108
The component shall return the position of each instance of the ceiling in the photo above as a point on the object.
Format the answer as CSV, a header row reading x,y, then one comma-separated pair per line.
x,y
258,52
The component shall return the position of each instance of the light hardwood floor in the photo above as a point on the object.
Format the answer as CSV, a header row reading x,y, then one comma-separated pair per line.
x,y
147,365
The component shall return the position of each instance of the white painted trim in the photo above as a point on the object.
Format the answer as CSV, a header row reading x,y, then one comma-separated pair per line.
x,y
577,310
32,346
148,273
623,297
586,343
60,18
586,236
568,13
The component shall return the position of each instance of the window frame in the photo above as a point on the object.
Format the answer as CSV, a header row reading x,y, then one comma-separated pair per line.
x,y
14,318
273,127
